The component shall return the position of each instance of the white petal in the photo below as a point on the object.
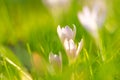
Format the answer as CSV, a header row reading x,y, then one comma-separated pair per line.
x,y
59,31
72,45
88,21
66,45
86,11
68,32
80,46
72,48
94,15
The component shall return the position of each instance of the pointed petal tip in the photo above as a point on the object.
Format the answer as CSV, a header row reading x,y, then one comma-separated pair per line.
x,y
80,46
59,31
58,28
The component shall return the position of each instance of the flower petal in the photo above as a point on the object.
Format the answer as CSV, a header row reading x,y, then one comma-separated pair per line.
x,y
72,48
59,31
80,46
66,45
66,33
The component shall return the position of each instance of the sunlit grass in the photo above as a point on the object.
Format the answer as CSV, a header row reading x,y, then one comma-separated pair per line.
x,y
28,33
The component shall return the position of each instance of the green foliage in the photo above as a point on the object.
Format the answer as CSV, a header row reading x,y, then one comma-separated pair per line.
x,y
27,28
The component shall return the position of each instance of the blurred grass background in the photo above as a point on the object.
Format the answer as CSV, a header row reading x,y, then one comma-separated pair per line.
x,y
28,34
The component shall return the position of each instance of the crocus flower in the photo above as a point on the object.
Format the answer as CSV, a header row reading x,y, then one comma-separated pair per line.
x,y
66,33
72,49
88,20
92,19
56,62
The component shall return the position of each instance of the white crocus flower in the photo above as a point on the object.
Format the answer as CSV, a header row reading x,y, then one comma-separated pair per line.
x,y
56,62
72,49
92,19
66,33
88,20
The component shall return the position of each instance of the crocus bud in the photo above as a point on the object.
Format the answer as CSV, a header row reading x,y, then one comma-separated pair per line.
x,y
56,62
72,49
66,33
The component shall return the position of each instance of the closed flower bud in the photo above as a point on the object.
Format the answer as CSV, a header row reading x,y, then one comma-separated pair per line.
x,y
55,62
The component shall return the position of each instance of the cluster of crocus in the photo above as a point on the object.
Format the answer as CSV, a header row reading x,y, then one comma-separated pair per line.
x,y
66,36
91,21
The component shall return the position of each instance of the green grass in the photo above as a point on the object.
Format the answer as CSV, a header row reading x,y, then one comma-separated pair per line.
x,y
28,33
